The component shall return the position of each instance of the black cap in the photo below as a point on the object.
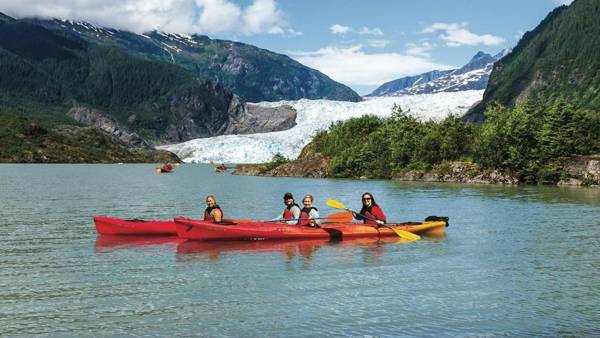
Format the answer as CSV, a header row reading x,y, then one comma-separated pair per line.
x,y
288,195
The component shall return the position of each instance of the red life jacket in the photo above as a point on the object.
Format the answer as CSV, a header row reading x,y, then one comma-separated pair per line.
x,y
304,216
287,212
373,213
208,213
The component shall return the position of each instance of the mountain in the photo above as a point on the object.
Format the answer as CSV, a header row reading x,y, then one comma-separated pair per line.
x,y
472,76
559,58
253,73
390,88
56,77
5,18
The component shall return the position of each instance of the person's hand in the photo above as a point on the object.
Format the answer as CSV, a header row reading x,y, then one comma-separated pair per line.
x,y
355,215
379,222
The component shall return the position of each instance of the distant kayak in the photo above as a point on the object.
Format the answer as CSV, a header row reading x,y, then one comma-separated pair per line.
x,y
257,230
221,168
118,226
165,169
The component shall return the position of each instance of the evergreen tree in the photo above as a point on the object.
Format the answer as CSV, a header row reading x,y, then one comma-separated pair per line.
x,y
558,131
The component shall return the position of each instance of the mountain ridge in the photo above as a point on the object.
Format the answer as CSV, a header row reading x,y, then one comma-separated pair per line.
x,y
254,73
471,76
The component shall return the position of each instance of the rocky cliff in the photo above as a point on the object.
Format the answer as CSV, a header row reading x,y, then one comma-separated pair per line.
x,y
581,170
26,141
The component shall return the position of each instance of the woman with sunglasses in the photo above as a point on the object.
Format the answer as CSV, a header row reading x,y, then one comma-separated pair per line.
x,y
372,211
213,211
309,215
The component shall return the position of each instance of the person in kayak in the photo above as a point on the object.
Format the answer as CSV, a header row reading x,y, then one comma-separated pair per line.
x,y
371,209
213,211
309,215
291,213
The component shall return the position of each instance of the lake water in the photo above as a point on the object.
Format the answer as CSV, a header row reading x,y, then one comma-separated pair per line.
x,y
515,260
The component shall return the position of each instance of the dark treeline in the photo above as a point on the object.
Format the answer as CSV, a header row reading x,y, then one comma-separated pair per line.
x,y
525,140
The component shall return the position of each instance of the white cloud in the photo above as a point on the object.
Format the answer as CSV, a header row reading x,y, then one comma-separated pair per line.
x,y
217,15
176,16
292,32
421,49
263,16
352,66
457,34
378,43
339,29
563,2
370,31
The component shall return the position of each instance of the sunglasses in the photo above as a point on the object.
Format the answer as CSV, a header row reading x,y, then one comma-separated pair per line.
x,y
367,199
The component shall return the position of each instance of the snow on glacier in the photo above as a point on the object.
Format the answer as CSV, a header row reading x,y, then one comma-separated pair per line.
x,y
314,115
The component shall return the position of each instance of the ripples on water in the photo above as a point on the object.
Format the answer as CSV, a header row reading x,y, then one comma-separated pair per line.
x,y
515,261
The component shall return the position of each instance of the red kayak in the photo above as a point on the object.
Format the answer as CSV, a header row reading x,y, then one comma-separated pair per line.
x,y
165,169
257,230
117,226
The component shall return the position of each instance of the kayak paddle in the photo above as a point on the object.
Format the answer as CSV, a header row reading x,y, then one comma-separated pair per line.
x,y
401,233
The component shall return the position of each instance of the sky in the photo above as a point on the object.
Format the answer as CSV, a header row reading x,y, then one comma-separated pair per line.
x,y
360,43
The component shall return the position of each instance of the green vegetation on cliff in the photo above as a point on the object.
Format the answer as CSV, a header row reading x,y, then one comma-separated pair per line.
x,y
43,74
25,141
559,58
526,140
253,73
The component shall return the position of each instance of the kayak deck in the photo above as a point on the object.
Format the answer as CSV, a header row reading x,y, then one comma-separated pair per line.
x,y
118,226
256,230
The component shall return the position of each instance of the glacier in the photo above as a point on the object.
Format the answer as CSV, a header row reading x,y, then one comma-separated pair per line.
x,y
315,115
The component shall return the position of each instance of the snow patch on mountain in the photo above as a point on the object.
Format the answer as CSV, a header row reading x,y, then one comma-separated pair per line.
x,y
315,115
472,76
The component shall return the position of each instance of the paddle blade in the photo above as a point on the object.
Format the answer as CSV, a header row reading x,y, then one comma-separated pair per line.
x,y
406,235
340,217
335,204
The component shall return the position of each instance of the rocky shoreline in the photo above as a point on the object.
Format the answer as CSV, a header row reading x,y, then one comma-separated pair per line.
x,y
580,171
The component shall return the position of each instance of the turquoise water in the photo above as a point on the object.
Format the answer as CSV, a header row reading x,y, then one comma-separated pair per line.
x,y
515,260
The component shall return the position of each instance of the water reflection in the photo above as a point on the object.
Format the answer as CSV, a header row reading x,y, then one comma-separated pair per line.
x,y
216,250
107,243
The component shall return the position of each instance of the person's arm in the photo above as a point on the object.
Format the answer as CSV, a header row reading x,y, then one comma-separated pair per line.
x,y
314,215
217,215
357,216
278,217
